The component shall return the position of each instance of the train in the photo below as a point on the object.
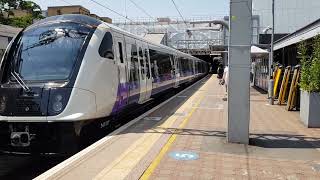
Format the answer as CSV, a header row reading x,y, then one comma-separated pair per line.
x,y
66,74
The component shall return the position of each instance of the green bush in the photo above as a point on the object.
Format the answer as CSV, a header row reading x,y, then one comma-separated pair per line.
x,y
21,22
305,66
310,66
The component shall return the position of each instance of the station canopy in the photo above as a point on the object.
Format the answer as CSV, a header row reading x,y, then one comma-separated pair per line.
x,y
258,52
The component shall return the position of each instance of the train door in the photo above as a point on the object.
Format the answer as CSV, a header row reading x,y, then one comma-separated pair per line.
x,y
121,60
133,70
176,71
142,73
148,73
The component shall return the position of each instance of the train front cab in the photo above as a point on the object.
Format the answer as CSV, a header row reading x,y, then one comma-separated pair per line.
x,y
37,78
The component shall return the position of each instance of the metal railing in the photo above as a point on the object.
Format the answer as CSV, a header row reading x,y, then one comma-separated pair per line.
x,y
198,44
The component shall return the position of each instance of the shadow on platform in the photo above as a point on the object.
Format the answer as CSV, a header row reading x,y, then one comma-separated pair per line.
x,y
284,141
259,90
258,140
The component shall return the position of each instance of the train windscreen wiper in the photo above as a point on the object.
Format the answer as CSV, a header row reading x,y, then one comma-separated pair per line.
x,y
17,77
45,38
52,35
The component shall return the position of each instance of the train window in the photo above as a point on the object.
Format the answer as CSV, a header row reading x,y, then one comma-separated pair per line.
x,y
120,51
134,75
141,63
146,55
187,71
154,65
179,66
182,66
105,49
197,67
47,52
191,66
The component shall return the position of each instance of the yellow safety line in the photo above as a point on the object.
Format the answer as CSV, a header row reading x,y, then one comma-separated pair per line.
x,y
146,175
136,151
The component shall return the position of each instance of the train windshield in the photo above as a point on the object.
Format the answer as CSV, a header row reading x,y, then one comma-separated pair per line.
x,y
49,52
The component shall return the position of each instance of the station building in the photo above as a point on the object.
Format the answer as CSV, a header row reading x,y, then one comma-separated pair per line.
x,y
59,10
6,34
76,9
290,15
293,19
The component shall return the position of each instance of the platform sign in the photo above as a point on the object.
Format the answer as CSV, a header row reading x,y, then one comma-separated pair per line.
x,y
184,155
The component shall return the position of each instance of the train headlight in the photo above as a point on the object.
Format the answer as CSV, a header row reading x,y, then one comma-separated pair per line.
x,y
57,105
3,103
58,97
58,100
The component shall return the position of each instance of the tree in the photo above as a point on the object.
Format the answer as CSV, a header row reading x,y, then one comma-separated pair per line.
x,y
7,15
7,6
31,7
21,22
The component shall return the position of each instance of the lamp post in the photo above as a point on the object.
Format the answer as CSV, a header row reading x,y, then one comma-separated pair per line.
x,y
271,82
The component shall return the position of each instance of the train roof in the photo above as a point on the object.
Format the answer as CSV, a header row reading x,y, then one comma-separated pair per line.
x,y
82,19
113,27
90,21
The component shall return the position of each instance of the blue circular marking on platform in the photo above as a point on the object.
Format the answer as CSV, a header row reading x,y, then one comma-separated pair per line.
x,y
184,155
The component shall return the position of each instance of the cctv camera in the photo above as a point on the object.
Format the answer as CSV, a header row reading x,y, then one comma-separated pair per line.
x,y
267,29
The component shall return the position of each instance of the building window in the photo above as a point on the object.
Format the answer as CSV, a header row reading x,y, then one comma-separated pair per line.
x,y
59,12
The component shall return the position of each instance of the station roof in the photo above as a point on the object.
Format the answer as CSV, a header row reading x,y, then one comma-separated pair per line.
x,y
257,50
155,37
307,32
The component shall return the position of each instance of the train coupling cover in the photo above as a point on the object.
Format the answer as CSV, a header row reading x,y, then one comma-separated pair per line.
x,y
20,136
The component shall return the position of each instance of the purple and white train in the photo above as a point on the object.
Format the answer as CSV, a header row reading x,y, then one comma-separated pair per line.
x,y
65,73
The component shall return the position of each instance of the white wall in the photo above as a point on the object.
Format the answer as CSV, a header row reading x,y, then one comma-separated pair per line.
x,y
3,42
290,15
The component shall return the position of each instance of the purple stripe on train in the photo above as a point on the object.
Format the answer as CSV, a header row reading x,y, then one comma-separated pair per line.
x,y
129,93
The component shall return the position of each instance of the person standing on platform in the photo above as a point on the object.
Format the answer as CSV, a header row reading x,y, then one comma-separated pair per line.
x,y
253,72
220,71
226,77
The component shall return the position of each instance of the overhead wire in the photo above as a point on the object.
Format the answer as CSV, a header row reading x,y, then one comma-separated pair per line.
x,y
141,9
119,14
66,2
175,5
150,16
108,8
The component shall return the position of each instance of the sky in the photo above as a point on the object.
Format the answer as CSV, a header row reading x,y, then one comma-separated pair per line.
x,y
155,8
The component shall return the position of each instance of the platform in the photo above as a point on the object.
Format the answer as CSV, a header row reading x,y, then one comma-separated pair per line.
x,y
185,138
